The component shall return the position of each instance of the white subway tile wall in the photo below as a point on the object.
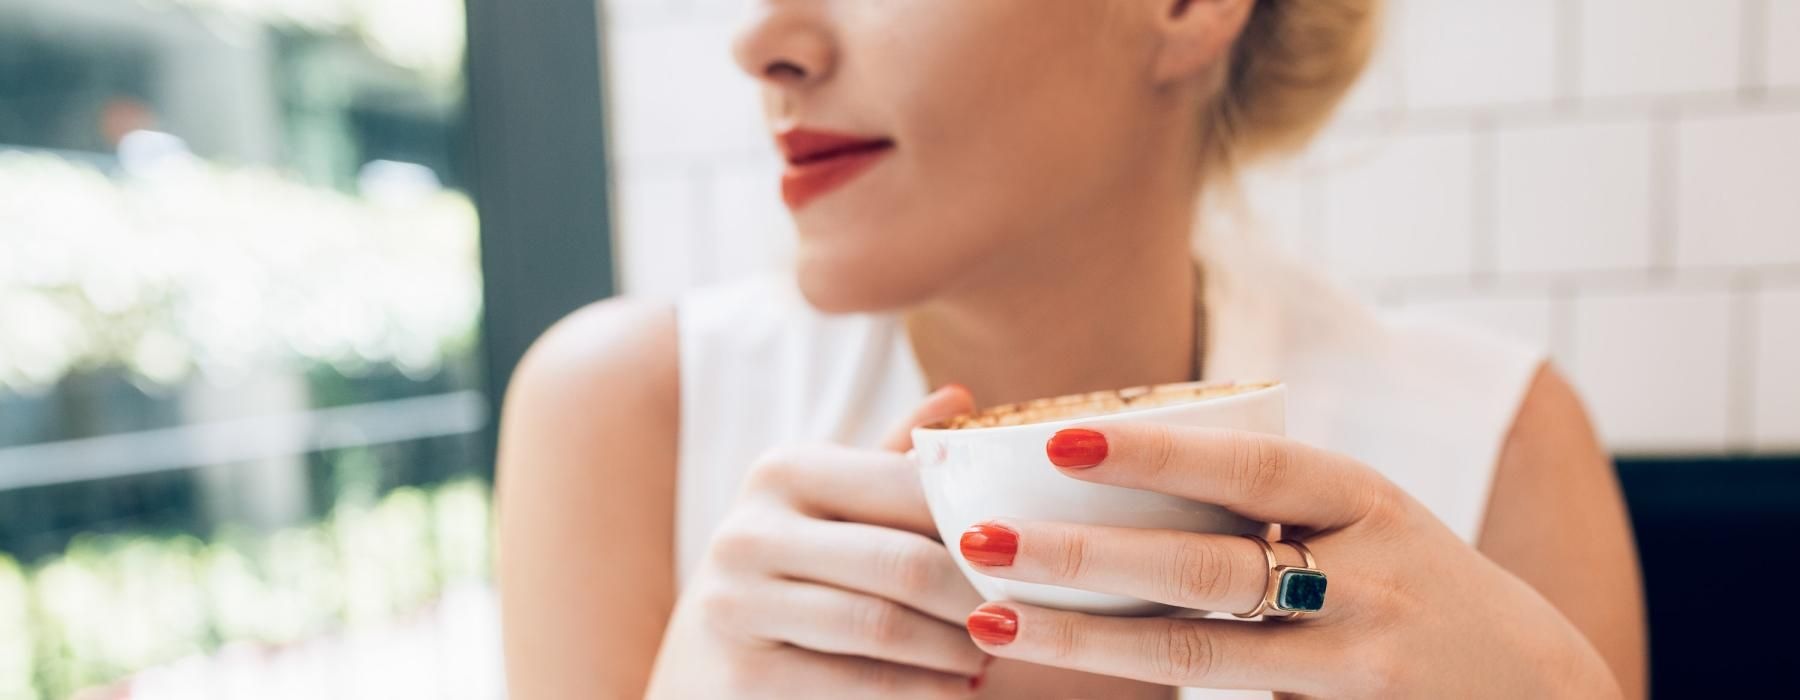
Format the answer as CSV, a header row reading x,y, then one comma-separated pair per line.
x,y
1781,50
1616,181
1658,47
1656,368
1393,201
675,91
1738,190
1528,317
1447,51
1574,197
1776,411
669,261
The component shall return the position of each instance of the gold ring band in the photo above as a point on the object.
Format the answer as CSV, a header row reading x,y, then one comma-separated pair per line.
x,y
1269,584
1271,608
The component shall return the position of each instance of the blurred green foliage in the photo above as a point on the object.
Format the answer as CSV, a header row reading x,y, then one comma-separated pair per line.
x,y
114,604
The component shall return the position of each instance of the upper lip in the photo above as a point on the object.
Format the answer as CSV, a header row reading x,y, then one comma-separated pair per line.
x,y
803,146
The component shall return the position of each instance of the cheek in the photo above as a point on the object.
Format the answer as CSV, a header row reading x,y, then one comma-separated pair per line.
x,y
1002,113
1008,127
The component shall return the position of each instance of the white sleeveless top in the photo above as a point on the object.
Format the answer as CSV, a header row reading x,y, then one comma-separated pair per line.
x,y
1427,403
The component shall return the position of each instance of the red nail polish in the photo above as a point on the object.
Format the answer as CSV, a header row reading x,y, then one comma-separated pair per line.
x,y
993,624
975,682
988,544
1076,448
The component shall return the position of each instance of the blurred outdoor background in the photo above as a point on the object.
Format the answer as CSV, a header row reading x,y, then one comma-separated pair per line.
x,y
266,264
241,398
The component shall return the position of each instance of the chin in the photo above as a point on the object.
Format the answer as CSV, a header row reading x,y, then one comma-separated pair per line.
x,y
868,285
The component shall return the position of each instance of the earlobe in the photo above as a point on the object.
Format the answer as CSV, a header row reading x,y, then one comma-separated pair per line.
x,y
1197,34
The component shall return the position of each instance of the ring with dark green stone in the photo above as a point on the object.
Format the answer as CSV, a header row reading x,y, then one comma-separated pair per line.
x,y
1299,590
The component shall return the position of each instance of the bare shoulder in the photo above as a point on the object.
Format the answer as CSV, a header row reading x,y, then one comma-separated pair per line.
x,y
598,390
1557,519
1552,422
1551,457
586,472
619,348
592,413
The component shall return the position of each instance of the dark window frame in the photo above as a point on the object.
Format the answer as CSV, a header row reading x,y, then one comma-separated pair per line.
x,y
537,146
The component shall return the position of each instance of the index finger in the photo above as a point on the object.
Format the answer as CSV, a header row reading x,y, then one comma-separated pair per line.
x,y
950,401
843,483
1263,477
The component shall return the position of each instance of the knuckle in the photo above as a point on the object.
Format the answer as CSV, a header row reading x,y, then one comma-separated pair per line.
x,y
722,607
1160,450
881,622
772,470
1382,504
1198,573
738,544
1258,467
911,567
1187,656
880,678
1069,558
1061,639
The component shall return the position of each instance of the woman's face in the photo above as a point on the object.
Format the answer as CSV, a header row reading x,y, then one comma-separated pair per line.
x,y
928,141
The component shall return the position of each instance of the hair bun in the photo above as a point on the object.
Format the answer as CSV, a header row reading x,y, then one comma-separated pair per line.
x,y
1290,68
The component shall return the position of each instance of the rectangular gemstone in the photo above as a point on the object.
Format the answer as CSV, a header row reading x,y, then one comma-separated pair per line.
x,y
1301,590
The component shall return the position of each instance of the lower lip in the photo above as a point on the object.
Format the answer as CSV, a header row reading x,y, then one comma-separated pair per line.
x,y
801,184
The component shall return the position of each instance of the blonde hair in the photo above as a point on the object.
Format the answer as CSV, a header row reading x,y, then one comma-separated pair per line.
x,y
1287,72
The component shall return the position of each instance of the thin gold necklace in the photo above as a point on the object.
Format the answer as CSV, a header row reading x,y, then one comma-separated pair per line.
x,y
1199,364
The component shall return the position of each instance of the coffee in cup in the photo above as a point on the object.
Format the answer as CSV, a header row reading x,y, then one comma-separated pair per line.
x,y
992,464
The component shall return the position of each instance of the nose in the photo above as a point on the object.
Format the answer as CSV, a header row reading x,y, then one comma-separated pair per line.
x,y
786,44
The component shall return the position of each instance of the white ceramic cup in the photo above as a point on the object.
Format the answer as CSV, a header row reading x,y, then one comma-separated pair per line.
x,y
973,474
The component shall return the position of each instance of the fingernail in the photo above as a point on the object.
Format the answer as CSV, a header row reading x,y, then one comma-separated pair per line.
x,y
1076,448
988,544
993,624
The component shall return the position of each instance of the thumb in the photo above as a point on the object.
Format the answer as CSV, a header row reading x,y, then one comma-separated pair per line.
x,y
950,401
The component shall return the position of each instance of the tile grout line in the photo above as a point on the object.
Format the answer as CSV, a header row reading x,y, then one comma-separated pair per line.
x,y
1664,183
1562,324
1741,369
1774,99
1484,246
1593,281
1568,55
1753,50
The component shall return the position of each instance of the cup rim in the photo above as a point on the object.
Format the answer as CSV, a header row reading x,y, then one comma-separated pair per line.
x,y
1253,389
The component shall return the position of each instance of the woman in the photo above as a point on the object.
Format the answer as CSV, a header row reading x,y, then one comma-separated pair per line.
x,y
1000,194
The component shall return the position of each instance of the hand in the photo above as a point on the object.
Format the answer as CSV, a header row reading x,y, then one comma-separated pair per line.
x,y
1410,609
827,580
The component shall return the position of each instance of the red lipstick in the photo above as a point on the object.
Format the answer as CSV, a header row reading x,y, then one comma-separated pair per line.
x,y
819,162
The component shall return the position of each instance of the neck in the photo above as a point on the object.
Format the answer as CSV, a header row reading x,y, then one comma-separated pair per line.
x,y
1103,305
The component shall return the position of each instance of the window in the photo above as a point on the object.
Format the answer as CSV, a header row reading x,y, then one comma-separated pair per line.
x,y
244,410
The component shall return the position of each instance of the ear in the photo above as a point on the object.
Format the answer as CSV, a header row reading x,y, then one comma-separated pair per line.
x,y
1196,34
